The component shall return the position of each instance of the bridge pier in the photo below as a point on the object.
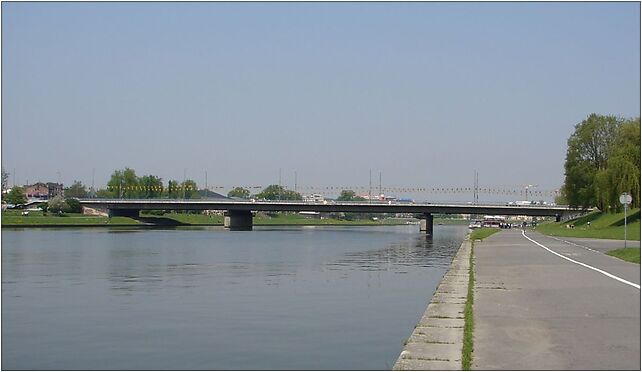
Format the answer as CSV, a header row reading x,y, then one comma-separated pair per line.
x,y
425,224
133,213
238,220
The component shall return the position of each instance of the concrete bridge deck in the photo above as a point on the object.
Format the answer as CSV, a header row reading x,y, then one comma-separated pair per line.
x,y
239,212
298,206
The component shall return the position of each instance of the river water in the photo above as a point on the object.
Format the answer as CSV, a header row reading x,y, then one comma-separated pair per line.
x,y
299,298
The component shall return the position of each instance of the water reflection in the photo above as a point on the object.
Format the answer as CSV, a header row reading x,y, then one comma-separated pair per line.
x,y
421,250
286,299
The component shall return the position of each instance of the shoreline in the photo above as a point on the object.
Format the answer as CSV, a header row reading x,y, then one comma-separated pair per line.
x,y
437,341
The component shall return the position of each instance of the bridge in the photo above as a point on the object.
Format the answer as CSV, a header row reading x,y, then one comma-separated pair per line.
x,y
239,213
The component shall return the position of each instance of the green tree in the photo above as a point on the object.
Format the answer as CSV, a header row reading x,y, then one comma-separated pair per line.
x,y
173,189
124,184
277,192
104,193
116,184
623,166
16,196
189,190
239,192
76,190
132,189
349,195
57,204
152,186
586,157
73,205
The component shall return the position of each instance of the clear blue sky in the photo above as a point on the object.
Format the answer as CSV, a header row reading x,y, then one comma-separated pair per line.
x,y
423,92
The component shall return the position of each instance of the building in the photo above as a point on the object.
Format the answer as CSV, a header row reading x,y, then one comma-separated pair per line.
x,y
43,190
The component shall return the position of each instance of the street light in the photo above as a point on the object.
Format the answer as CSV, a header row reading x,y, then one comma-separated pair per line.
x,y
527,187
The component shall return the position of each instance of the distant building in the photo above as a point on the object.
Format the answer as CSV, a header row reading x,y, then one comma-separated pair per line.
x,y
43,190
314,198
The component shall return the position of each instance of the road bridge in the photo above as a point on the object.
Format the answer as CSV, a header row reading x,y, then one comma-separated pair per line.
x,y
239,213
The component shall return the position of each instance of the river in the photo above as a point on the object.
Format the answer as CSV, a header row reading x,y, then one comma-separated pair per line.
x,y
276,298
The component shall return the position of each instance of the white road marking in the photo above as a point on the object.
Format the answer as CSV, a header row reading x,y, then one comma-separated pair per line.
x,y
583,264
575,244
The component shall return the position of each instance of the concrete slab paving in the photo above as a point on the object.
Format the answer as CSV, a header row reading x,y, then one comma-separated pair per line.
x,y
437,335
426,365
534,310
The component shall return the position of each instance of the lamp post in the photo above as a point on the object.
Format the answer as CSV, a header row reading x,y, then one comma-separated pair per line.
x,y
527,187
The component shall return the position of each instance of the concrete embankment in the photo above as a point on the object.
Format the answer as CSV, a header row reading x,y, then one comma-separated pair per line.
x,y
436,342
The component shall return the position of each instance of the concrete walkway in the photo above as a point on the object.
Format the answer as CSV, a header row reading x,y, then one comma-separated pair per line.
x,y
601,245
535,310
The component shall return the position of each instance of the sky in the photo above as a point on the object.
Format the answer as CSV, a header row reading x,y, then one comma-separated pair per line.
x,y
425,93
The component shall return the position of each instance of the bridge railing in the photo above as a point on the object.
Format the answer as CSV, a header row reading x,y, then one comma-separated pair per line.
x,y
326,202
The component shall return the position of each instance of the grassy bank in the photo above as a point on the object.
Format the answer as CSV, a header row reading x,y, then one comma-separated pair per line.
x,y
602,226
14,218
469,324
482,233
629,254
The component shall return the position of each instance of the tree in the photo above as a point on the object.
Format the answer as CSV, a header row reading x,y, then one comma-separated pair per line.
x,y
277,192
124,184
239,192
76,190
116,184
131,184
73,206
5,179
16,196
623,166
586,156
57,204
349,195
172,189
190,189
152,186
104,193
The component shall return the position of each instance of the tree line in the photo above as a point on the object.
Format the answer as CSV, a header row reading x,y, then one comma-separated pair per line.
x,y
602,162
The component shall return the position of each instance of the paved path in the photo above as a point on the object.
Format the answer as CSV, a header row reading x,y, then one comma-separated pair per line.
x,y
602,245
536,310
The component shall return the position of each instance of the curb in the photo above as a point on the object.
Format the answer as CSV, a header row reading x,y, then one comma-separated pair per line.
x,y
437,341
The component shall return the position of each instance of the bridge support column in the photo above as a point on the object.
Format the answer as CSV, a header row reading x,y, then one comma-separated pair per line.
x,y
133,213
425,224
238,220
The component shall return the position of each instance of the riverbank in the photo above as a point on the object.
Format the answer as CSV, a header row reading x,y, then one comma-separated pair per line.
x,y
437,340
443,339
37,219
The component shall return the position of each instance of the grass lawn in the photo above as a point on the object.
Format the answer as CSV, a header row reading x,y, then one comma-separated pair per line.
x,y
187,218
629,254
14,217
602,226
482,233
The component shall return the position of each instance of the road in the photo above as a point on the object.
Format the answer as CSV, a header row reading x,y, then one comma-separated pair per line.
x,y
536,310
601,245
